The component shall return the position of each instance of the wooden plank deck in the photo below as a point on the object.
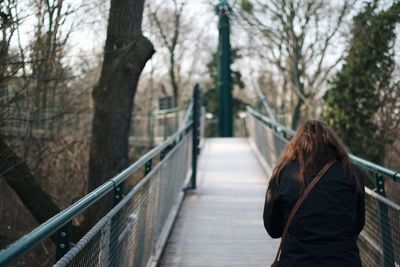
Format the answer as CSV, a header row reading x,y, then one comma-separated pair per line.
x,y
220,223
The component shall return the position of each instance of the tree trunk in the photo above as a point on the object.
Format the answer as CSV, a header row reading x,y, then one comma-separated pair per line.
x,y
296,113
18,176
175,87
125,55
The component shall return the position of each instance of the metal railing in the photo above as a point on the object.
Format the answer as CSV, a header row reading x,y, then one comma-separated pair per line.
x,y
135,230
379,242
130,232
154,128
146,130
41,122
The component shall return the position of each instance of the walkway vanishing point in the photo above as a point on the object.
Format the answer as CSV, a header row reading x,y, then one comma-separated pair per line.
x,y
220,223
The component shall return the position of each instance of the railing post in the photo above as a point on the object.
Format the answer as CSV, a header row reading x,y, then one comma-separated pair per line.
x,y
148,166
384,220
117,194
195,133
63,241
164,152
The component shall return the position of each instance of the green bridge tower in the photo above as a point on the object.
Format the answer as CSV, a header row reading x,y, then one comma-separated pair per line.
x,y
225,111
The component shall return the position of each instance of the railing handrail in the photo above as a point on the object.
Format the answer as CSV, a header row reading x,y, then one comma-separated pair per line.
x,y
160,112
395,175
55,109
49,227
169,110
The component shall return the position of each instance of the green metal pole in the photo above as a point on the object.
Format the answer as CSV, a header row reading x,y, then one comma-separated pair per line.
x,y
195,133
225,113
384,220
63,240
196,111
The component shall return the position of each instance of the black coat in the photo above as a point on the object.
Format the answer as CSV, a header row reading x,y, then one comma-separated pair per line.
x,y
325,229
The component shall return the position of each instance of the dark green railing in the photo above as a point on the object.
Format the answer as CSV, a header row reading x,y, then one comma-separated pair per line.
x,y
174,154
380,240
289,133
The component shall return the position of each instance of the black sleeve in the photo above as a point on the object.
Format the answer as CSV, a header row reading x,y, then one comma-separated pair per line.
x,y
361,201
273,212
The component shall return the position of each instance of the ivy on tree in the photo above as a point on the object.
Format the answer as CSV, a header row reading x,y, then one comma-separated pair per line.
x,y
210,97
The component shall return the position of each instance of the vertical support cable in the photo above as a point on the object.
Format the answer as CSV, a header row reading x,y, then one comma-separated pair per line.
x,y
165,122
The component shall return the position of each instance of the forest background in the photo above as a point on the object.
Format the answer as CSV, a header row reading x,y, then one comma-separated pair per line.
x,y
334,60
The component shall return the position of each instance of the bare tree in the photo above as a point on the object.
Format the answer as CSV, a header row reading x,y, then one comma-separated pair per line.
x,y
13,167
9,60
47,52
7,31
33,78
299,37
168,26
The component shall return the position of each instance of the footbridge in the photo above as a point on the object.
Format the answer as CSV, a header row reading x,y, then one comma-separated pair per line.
x,y
199,203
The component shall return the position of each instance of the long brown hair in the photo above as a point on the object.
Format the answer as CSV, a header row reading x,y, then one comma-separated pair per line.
x,y
313,139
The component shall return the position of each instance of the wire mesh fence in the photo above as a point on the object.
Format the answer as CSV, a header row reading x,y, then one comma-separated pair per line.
x,y
92,249
41,122
153,128
134,232
146,129
131,233
379,242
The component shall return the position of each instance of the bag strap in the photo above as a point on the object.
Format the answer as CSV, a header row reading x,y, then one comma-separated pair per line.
x,y
299,202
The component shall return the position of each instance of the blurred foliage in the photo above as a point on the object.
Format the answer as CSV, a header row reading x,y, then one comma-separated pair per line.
x,y
246,6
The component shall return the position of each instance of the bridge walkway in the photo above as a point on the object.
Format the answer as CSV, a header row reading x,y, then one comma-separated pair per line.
x,y
220,223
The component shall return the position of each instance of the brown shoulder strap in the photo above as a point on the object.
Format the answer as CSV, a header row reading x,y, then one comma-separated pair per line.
x,y
299,202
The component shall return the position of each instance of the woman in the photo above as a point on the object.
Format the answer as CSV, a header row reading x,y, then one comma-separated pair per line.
x,y
325,228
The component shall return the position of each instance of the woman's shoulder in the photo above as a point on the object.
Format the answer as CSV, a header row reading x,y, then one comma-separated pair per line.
x,y
350,171
292,165
359,173
289,172
349,168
